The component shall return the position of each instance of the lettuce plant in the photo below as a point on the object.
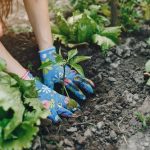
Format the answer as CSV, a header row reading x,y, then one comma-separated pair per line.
x,y
20,111
85,28
145,4
129,15
82,5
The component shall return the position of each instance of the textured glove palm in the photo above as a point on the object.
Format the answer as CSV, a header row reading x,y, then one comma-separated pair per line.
x,y
56,103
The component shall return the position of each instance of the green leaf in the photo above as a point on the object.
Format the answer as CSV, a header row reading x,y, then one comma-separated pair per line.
x,y
95,8
24,135
5,79
142,119
38,111
59,53
84,29
105,9
112,33
147,66
27,87
62,24
2,64
46,64
72,104
145,7
78,68
73,19
103,41
78,45
59,60
72,53
79,59
10,99
55,28
20,112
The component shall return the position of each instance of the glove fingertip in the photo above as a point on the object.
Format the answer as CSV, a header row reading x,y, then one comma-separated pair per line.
x,y
82,97
67,114
90,90
92,83
78,106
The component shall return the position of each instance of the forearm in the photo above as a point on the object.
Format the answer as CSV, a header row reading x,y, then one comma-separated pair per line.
x,y
12,65
37,11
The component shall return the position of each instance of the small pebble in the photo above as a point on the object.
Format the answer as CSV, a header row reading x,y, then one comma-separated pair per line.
x,y
100,124
72,129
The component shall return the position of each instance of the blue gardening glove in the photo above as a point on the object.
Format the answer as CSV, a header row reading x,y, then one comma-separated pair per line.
x,y
72,80
56,103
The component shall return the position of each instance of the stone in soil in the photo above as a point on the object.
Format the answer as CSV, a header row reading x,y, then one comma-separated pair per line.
x,y
139,141
87,133
100,125
72,129
145,107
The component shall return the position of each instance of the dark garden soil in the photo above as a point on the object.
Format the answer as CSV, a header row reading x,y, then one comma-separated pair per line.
x,y
107,119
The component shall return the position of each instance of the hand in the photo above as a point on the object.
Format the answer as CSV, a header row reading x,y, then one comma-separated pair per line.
x,y
72,80
56,103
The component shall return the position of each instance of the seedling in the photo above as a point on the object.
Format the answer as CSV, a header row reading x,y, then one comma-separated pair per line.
x,y
72,60
144,119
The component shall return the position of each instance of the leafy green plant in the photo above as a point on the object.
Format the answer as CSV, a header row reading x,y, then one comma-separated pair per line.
x,y
81,5
72,60
20,111
145,4
144,119
129,15
85,28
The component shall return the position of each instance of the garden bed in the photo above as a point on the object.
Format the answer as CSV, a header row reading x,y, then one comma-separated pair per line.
x,y
107,119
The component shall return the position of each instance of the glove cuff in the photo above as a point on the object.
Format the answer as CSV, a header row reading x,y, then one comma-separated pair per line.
x,y
27,76
48,54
